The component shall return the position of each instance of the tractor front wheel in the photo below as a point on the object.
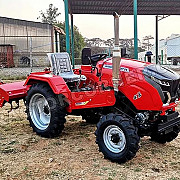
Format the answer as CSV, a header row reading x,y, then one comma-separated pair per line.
x,y
44,111
117,138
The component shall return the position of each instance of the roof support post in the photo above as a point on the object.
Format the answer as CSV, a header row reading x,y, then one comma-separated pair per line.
x,y
59,42
135,31
56,41
157,39
72,40
67,26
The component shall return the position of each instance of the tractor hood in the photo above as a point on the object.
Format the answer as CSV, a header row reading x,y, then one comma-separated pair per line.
x,y
148,69
161,73
130,64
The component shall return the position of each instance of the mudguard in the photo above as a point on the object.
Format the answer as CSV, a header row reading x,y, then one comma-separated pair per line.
x,y
57,83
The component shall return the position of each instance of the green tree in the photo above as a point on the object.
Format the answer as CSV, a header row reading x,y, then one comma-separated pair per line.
x,y
50,15
78,40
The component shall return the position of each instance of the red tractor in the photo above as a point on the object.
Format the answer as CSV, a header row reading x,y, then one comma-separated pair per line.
x,y
141,102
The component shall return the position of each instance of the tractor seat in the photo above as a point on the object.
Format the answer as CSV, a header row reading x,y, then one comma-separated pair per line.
x,y
61,66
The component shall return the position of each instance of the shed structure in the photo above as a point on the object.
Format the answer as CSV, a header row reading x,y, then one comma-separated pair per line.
x,y
41,38
122,7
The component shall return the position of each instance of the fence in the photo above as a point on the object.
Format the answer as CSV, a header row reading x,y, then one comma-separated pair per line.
x,y
20,32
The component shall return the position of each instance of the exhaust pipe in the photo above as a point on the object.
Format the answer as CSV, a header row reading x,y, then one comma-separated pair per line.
x,y
116,54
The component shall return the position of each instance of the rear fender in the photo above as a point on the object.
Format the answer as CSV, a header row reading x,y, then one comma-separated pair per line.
x,y
56,83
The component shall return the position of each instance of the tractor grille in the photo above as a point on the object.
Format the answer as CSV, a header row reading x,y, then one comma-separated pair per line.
x,y
172,90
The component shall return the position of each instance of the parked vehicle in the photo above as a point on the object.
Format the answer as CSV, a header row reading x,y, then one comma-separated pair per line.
x,y
141,102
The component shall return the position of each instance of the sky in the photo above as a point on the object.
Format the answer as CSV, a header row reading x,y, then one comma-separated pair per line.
x,y
91,26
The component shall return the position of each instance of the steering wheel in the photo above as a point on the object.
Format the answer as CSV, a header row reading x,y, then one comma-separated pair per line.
x,y
97,57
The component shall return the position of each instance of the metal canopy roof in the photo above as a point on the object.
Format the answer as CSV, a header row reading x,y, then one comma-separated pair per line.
x,y
125,7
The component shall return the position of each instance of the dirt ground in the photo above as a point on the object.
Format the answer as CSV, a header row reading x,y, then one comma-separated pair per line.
x,y
74,154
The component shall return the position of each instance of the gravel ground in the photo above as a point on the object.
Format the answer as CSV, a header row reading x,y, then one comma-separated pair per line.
x,y
21,73
14,73
74,154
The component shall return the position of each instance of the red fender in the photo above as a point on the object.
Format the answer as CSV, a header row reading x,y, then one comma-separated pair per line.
x,y
57,83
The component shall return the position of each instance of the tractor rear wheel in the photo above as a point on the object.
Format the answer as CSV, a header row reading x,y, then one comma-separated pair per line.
x,y
117,138
44,111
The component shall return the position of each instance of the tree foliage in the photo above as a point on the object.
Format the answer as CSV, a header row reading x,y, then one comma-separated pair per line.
x,y
50,15
78,40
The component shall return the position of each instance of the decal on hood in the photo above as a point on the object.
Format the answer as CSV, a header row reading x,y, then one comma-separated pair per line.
x,y
123,69
137,96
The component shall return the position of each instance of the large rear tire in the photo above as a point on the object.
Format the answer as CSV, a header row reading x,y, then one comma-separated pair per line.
x,y
45,112
117,138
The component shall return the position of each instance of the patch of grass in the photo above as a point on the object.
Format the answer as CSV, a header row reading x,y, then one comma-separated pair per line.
x,y
8,150
8,77
12,142
174,163
2,171
105,168
96,165
32,140
73,120
6,128
173,178
109,178
81,149
113,173
147,157
25,168
156,151
156,170
137,169
57,143
84,134
55,173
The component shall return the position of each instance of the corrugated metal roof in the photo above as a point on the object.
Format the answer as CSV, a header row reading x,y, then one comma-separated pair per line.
x,y
125,7
20,22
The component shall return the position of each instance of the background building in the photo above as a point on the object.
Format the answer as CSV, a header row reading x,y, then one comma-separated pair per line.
x,y
29,39
168,52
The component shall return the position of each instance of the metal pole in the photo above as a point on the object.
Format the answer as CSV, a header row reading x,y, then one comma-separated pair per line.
x,y
59,42
31,61
72,40
157,39
52,39
135,31
67,26
162,56
109,52
56,41
116,54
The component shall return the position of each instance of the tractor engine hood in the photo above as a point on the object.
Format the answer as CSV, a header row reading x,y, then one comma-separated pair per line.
x,y
161,73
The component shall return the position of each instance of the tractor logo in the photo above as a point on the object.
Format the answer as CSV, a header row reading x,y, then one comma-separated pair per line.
x,y
123,69
137,96
81,103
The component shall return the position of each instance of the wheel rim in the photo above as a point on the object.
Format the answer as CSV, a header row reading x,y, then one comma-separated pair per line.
x,y
39,111
114,139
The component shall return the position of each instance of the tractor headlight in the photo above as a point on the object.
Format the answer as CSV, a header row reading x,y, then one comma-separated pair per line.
x,y
163,83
